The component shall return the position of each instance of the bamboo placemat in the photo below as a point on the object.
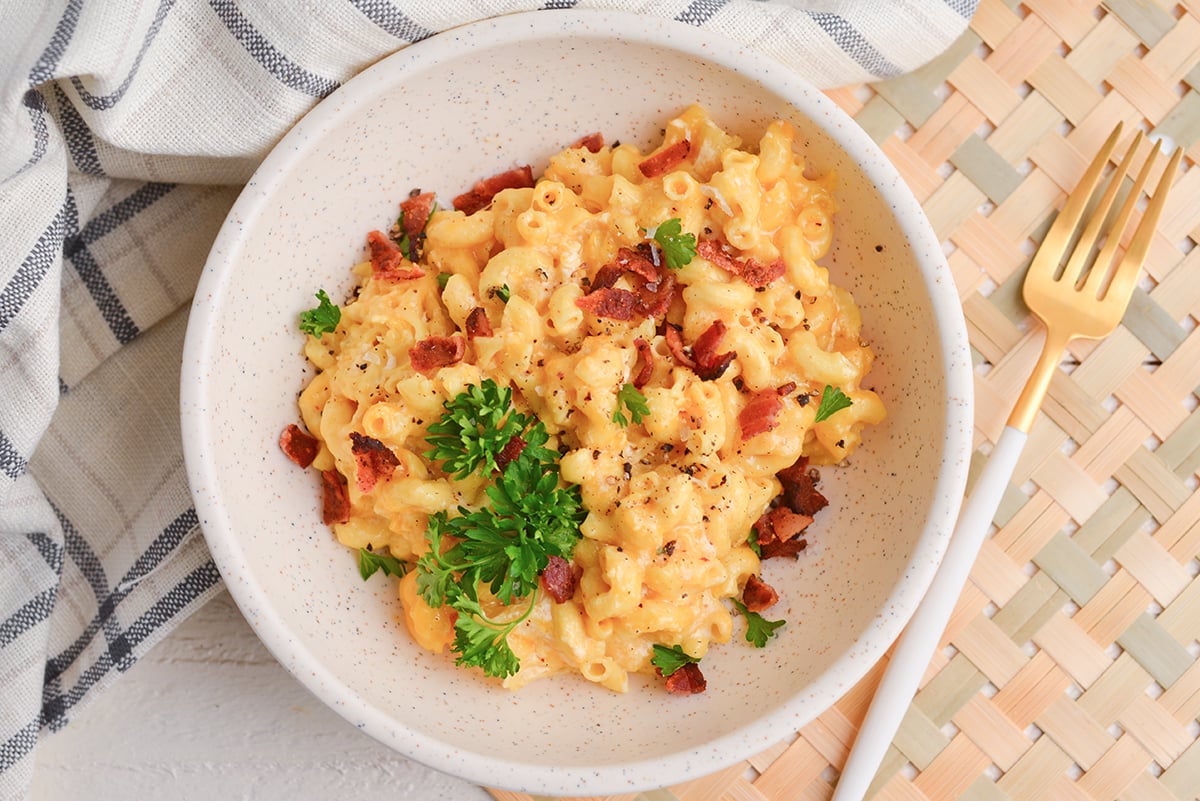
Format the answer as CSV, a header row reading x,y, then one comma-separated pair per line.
x,y
1071,667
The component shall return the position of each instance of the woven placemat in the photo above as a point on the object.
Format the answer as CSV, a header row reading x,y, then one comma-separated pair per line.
x,y
1071,666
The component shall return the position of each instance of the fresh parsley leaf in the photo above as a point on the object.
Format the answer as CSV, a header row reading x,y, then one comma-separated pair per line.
x,y
758,628
669,660
503,292
832,400
678,248
629,398
483,643
322,319
369,562
443,279
752,541
474,429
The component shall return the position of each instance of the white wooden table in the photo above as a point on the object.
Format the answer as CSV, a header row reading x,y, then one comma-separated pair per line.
x,y
209,714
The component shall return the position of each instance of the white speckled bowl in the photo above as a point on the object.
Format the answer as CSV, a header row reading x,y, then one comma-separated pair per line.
x,y
439,115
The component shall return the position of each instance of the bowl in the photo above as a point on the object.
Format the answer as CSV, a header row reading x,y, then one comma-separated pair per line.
x,y
438,115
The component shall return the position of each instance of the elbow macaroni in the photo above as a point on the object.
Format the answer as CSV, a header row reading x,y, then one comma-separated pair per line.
x,y
670,501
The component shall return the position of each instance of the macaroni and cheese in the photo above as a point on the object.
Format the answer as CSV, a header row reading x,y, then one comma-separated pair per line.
x,y
673,394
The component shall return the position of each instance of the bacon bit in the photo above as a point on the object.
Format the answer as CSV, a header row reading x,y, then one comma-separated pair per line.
x,y
800,488
630,261
655,298
688,680
416,210
646,357
758,595
484,190
759,275
558,579
786,389
478,324
375,461
510,452
711,365
433,352
301,448
673,334
387,259
666,159
593,142
761,413
779,532
609,302
335,498
607,276
753,272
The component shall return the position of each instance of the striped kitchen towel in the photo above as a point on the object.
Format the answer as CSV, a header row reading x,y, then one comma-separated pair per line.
x,y
127,129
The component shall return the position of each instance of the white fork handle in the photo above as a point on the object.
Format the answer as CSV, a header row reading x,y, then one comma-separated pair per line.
x,y
920,638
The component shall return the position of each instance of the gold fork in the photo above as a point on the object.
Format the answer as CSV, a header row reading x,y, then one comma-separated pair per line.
x,y
1085,298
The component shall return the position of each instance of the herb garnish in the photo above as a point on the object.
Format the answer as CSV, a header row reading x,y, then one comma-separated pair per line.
x,y
502,292
678,247
758,628
321,320
503,546
629,398
369,562
832,400
669,660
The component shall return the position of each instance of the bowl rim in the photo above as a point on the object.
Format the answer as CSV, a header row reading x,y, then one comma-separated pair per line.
x,y
254,602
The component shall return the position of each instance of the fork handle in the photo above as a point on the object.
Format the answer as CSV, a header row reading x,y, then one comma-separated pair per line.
x,y
913,649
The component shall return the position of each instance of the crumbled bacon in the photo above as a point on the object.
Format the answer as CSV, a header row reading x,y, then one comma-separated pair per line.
x,y
387,260
800,488
301,448
780,532
758,595
781,528
646,356
375,461
631,261
335,498
558,579
688,680
761,413
433,352
653,288
415,212
711,365
510,452
478,324
666,159
673,334
751,271
593,142
786,388
484,190
610,302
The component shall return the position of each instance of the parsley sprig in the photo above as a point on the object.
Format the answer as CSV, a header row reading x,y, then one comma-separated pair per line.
x,y
832,400
506,544
370,562
758,628
322,319
630,399
475,428
669,660
678,248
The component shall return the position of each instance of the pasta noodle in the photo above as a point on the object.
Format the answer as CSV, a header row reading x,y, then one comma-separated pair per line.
x,y
672,499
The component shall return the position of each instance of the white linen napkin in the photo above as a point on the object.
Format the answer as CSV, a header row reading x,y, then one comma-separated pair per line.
x,y
126,131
